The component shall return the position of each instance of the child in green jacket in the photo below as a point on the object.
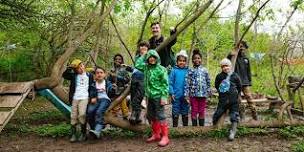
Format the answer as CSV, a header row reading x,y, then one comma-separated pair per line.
x,y
156,91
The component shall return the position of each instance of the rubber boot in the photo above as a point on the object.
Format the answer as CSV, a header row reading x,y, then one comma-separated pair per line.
x,y
201,122
73,136
137,116
132,118
194,122
232,131
175,121
155,132
185,120
165,135
83,134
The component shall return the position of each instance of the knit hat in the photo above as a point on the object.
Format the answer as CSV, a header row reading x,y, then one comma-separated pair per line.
x,y
75,63
226,62
182,53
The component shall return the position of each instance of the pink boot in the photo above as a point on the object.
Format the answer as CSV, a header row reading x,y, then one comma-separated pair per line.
x,y
155,132
165,132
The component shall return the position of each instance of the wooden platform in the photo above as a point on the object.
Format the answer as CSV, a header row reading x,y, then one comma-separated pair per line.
x,y
11,97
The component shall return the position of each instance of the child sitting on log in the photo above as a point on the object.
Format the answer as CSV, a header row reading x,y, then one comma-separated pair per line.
x,y
180,106
156,92
228,85
197,88
97,109
82,90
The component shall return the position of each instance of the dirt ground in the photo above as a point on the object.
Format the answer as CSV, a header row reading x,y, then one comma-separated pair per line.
x,y
246,144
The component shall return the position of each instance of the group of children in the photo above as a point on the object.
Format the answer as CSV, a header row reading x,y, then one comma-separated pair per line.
x,y
186,87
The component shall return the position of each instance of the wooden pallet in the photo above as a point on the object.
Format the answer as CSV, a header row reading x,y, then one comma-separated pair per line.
x,y
11,97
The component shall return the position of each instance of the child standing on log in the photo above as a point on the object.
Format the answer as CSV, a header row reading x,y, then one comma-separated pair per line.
x,y
82,90
96,110
156,91
180,106
197,89
228,85
137,85
120,79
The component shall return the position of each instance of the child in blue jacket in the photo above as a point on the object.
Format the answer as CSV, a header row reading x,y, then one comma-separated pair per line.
x,y
180,106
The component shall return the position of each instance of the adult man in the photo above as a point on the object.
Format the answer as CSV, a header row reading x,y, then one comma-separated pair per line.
x,y
166,54
242,68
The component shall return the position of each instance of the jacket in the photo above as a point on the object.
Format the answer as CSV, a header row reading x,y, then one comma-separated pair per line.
x,y
69,74
197,82
156,82
166,54
242,68
177,81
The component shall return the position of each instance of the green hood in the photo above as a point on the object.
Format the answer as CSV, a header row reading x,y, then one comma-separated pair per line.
x,y
152,53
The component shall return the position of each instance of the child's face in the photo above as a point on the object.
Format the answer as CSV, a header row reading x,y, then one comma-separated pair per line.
x,y
100,74
80,69
181,61
143,50
197,60
156,30
152,60
117,60
226,68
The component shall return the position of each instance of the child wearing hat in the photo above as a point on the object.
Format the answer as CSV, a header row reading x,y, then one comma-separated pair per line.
x,y
228,85
177,76
82,90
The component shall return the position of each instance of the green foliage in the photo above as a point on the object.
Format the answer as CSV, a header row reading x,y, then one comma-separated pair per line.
x,y
291,132
51,130
298,147
117,132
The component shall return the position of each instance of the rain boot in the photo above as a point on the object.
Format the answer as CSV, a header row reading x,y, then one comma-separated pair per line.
x,y
232,131
165,135
185,120
175,121
132,118
83,134
201,122
194,122
73,136
156,129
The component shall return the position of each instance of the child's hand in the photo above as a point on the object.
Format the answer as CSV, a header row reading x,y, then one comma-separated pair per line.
x,y
187,99
93,100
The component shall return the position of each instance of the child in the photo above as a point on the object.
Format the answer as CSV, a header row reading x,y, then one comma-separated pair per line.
x,y
137,85
97,109
176,89
82,90
120,78
229,86
197,88
156,91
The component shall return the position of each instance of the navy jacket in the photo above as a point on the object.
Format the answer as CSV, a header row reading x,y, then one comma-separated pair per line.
x,y
69,74
242,68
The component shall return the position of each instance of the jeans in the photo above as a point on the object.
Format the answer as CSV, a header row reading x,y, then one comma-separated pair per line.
x,y
96,112
180,107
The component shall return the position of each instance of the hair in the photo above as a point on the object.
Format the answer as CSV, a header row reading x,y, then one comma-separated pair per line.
x,y
196,51
118,54
98,67
244,43
155,23
180,56
144,43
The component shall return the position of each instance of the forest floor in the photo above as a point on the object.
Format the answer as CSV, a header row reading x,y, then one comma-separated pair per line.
x,y
38,126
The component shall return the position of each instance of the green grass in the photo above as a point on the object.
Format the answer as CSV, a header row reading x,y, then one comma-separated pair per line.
x,y
298,147
51,130
291,132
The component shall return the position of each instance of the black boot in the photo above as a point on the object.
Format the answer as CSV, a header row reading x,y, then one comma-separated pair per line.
x,y
185,120
83,134
175,121
232,131
135,117
194,122
73,134
201,122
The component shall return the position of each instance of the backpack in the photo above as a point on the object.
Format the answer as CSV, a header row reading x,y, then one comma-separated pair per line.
x,y
225,84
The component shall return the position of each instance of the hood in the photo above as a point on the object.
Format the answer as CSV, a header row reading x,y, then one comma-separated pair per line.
x,y
153,53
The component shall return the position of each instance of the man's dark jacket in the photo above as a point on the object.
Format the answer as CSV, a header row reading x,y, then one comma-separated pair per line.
x,y
242,68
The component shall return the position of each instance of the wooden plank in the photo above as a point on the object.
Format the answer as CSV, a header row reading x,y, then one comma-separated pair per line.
x,y
15,88
4,115
262,100
9,101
